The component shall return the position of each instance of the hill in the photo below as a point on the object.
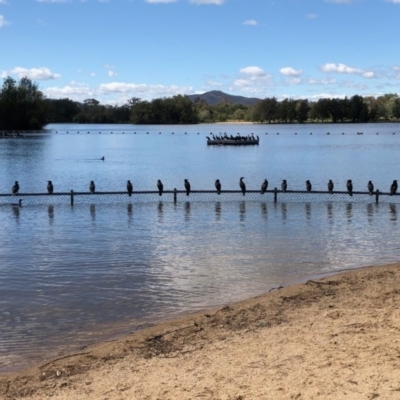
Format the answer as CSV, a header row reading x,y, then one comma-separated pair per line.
x,y
216,97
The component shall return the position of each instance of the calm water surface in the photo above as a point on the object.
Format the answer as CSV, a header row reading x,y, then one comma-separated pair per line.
x,y
70,276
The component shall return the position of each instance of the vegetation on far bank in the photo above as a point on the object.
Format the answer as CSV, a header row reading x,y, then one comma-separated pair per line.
x,y
23,106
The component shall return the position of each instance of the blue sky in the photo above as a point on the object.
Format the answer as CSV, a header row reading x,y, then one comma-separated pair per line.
x,y
113,50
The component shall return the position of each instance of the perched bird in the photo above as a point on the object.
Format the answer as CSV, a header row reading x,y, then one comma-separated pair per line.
x,y
129,187
242,186
349,186
308,186
264,186
187,187
160,187
393,188
50,187
92,187
102,158
370,187
330,186
284,185
218,186
15,188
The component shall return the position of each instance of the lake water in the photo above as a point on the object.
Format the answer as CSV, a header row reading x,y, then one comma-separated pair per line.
x,y
71,276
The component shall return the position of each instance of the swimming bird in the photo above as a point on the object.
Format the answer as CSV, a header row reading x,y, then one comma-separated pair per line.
x,y
15,188
330,186
160,187
370,187
242,186
349,186
102,158
187,187
308,186
393,188
284,185
50,187
264,186
218,186
92,187
129,187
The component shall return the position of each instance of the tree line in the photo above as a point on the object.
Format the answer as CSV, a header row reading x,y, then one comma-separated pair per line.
x,y
23,106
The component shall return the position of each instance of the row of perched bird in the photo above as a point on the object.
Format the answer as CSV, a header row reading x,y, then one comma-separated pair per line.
x,y
242,185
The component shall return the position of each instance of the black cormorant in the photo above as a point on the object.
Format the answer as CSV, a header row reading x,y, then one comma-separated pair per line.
x,y
370,187
393,188
50,187
264,186
308,186
349,186
160,187
242,186
92,187
330,186
218,186
284,185
102,158
19,204
187,187
129,187
15,188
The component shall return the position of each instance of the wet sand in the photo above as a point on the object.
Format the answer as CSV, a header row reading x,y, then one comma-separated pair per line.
x,y
332,338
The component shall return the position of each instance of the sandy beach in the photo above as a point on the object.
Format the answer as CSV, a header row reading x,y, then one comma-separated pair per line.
x,y
332,338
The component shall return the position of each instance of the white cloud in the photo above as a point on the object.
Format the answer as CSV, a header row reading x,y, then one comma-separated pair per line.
x,y
3,21
112,74
397,72
344,69
3,2
40,74
52,1
394,1
311,16
341,1
289,71
217,2
253,71
312,81
251,22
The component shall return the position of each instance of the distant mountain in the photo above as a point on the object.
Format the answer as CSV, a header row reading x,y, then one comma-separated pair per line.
x,y
216,97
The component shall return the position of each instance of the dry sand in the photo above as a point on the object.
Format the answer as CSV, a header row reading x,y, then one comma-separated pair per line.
x,y
333,338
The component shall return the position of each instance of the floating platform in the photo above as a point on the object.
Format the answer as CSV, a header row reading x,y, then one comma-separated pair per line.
x,y
233,142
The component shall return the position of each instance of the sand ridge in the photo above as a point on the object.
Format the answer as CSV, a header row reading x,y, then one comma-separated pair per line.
x,y
332,338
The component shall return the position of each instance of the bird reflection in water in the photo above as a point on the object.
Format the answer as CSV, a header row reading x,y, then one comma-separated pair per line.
x,y
264,210
160,211
187,211
349,211
370,211
329,210
50,212
129,210
307,207
218,211
284,211
393,212
242,211
93,212
15,209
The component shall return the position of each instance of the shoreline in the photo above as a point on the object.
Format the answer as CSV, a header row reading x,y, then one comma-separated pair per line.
x,y
328,338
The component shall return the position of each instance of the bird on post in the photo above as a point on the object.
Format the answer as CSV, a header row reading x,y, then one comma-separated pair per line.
x,y
218,186
370,187
92,187
284,185
330,186
393,188
160,187
129,187
308,186
242,185
264,186
349,186
187,187
50,187
15,188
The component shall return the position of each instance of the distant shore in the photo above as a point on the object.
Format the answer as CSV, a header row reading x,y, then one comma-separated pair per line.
x,y
331,338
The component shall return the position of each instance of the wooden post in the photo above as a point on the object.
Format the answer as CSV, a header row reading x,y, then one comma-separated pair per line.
x,y
275,195
72,197
377,196
175,195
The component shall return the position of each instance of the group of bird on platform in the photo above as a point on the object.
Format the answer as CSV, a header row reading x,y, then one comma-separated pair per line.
x,y
218,187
